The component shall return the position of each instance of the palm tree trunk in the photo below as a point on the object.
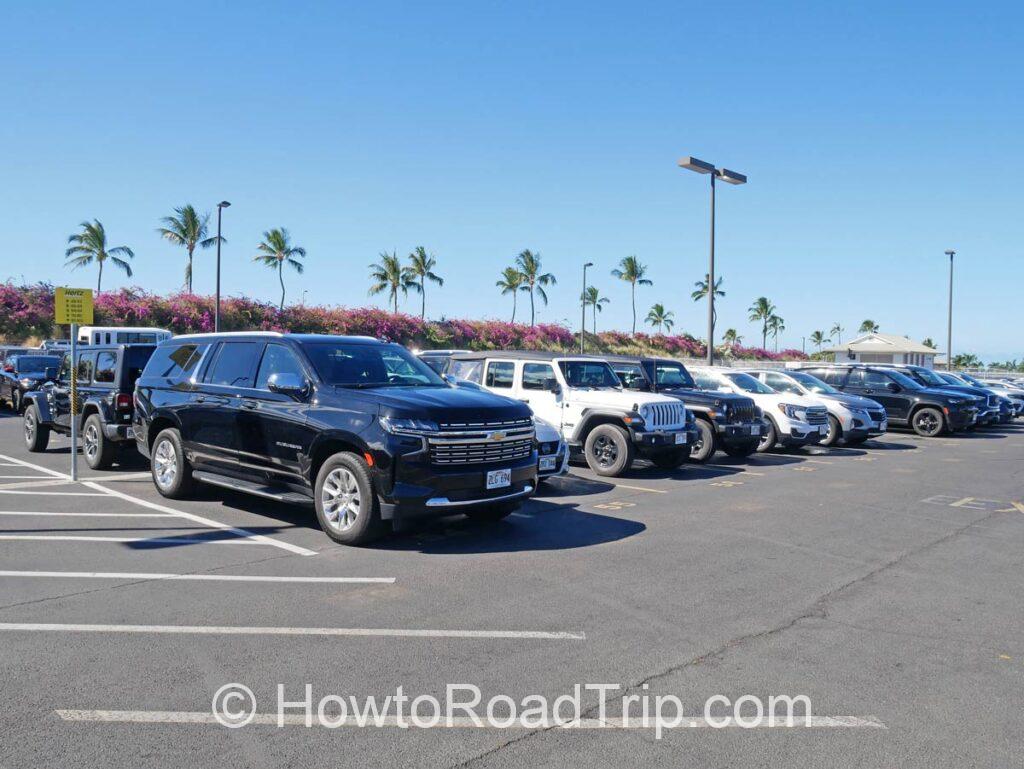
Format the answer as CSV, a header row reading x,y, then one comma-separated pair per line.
x,y
188,271
632,291
532,314
280,276
423,297
595,319
764,337
394,298
99,279
514,305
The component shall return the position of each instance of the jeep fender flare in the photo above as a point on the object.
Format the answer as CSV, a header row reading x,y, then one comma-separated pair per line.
x,y
42,404
590,418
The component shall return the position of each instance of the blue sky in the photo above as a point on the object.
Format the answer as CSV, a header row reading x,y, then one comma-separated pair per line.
x,y
875,136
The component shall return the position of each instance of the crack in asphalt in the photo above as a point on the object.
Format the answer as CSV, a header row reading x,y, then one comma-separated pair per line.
x,y
817,610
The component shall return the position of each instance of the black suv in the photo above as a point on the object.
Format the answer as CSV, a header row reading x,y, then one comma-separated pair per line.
x,y
24,373
725,421
106,379
361,426
929,411
987,401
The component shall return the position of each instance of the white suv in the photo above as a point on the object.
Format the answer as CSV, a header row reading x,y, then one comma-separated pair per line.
x,y
790,419
585,400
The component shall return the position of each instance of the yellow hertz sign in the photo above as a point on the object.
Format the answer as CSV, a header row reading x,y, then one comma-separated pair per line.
x,y
73,305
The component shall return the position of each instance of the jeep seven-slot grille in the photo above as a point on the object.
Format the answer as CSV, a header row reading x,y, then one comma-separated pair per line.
x,y
659,415
741,413
481,443
817,415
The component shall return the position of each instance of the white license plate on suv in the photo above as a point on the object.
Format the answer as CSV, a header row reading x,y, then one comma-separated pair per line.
x,y
680,438
499,479
546,464
755,429
822,429
129,433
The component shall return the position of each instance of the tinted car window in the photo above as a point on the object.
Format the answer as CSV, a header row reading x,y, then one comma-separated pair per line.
x,y
537,375
500,373
832,376
36,364
873,379
673,375
175,361
629,374
86,361
370,365
277,359
589,374
235,365
470,370
706,381
106,365
781,383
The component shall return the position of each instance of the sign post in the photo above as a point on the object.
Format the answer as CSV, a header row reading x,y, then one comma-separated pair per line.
x,y
73,306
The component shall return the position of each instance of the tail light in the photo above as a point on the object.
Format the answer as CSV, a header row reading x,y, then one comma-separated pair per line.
x,y
123,402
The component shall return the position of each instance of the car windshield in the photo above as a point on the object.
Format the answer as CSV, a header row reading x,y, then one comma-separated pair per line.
x,y
970,379
370,365
36,364
930,378
949,378
748,384
812,383
903,380
589,373
673,375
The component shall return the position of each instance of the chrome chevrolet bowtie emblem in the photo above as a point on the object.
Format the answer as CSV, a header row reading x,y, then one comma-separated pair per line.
x,y
497,436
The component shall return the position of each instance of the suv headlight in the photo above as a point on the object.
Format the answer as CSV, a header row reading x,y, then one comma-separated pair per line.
x,y
26,382
792,411
401,426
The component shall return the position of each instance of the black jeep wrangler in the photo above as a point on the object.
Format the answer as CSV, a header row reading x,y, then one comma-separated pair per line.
x,y
106,381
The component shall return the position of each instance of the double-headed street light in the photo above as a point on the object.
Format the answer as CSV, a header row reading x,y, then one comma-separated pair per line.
x,y
949,317
216,310
583,306
732,177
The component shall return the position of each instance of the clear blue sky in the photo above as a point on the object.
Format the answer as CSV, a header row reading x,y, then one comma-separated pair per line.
x,y
875,136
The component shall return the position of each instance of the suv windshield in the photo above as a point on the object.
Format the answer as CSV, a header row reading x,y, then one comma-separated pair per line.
x,y
673,375
36,364
812,383
370,365
930,378
748,384
588,373
903,380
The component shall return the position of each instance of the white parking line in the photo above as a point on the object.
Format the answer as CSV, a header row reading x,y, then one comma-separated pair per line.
x,y
290,631
53,493
24,477
182,540
466,722
248,535
194,577
32,513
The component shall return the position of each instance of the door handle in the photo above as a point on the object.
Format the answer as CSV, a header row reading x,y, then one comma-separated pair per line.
x,y
200,399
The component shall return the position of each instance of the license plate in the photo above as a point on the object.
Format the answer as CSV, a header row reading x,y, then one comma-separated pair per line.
x,y
885,425
546,463
755,429
130,432
499,479
680,438
823,430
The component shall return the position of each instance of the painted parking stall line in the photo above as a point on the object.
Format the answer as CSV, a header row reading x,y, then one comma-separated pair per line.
x,y
129,575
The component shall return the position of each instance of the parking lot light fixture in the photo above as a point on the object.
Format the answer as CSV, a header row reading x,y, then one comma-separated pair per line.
x,y
583,307
216,309
949,315
731,177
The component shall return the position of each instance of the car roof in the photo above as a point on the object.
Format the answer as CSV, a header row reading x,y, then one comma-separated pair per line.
x,y
524,355
256,335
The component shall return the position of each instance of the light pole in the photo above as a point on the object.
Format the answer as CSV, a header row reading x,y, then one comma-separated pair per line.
x,y
949,317
693,164
216,310
583,306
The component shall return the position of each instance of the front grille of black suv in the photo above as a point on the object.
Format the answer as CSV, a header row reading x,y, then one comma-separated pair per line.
x,y
737,414
481,443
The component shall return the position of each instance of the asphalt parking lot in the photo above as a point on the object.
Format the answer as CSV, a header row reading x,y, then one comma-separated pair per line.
x,y
882,582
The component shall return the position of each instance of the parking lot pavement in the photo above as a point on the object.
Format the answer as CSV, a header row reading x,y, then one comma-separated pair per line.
x,y
881,581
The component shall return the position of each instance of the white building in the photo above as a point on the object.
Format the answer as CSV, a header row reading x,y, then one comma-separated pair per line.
x,y
883,348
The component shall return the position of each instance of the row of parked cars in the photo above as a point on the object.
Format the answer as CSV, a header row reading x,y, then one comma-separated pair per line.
x,y
374,434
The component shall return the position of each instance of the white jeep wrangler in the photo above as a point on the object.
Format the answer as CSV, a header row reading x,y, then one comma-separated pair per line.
x,y
585,400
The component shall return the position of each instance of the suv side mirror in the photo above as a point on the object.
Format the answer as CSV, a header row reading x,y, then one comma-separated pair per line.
x,y
893,387
552,386
50,373
289,384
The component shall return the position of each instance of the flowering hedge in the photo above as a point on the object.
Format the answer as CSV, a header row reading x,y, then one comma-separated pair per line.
x,y
26,312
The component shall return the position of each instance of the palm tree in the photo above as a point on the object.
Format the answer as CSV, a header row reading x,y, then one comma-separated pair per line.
x,y
776,324
90,245
631,271
660,317
702,292
731,338
276,251
533,279
188,230
818,338
869,327
762,310
592,298
389,275
837,331
420,266
928,342
511,282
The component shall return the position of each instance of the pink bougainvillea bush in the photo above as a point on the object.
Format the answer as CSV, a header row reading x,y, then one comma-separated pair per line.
x,y
26,312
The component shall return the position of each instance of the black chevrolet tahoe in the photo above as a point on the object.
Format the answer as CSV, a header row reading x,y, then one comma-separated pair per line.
x,y
927,410
725,421
105,378
364,428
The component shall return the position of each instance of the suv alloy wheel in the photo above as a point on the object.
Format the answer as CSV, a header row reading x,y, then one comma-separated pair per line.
x,y
346,506
172,473
928,422
608,450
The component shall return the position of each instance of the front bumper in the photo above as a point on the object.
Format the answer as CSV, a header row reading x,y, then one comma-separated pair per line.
x,y
655,440
962,418
802,434
858,425
740,433
550,465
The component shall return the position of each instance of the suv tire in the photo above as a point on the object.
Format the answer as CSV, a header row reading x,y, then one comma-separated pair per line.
x,y
928,422
671,459
99,452
608,450
770,436
835,432
704,447
172,473
37,435
347,507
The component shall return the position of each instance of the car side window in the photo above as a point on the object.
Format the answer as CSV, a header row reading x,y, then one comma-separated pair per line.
x,y
500,374
235,365
277,359
86,361
106,366
832,376
780,383
629,374
470,370
537,375
876,380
